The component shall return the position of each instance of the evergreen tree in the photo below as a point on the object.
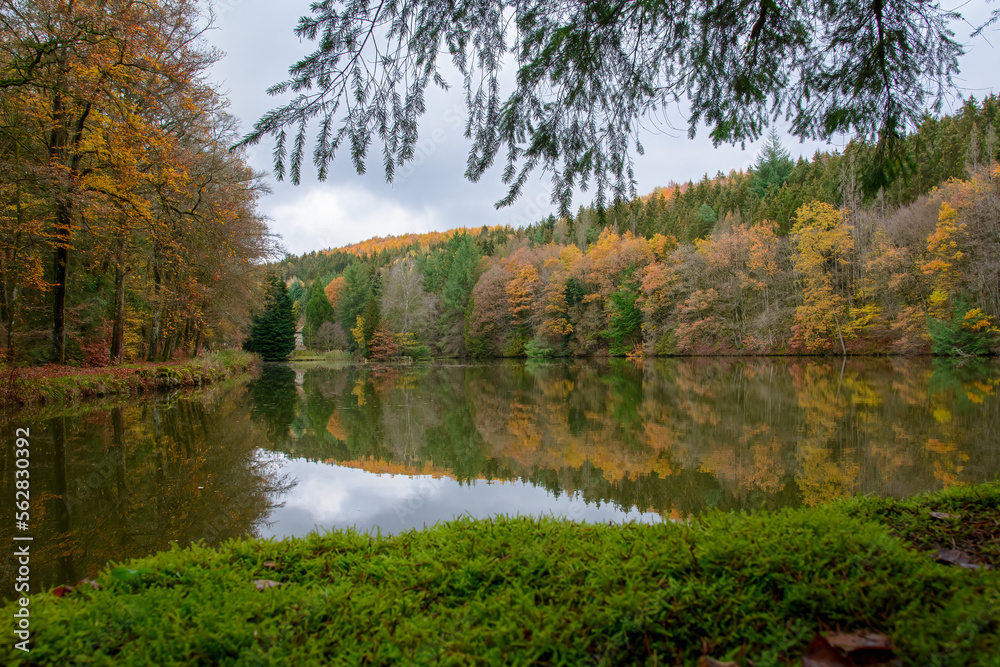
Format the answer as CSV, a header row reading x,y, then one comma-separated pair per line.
x,y
774,166
705,220
625,326
318,311
462,276
272,333
297,290
372,319
354,295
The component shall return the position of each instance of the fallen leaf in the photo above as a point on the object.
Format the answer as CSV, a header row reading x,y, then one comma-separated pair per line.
x,y
957,557
60,591
819,653
705,661
857,649
943,515
261,584
860,640
269,564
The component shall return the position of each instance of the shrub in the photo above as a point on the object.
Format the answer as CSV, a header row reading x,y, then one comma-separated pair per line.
x,y
330,336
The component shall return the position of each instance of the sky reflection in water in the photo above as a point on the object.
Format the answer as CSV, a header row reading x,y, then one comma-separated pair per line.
x,y
335,497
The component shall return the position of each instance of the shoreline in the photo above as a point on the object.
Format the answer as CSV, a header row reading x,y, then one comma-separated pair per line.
x,y
48,385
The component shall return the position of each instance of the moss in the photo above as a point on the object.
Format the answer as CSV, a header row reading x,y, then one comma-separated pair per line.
x,y
529,591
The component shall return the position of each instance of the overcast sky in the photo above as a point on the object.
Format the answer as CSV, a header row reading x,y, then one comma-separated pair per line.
x,y
258,39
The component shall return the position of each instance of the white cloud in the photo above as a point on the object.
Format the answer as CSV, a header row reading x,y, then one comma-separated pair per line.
x,y
329,216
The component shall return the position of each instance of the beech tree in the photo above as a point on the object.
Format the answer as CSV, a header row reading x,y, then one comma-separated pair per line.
x,y
823,246
588,73
96,80
114,153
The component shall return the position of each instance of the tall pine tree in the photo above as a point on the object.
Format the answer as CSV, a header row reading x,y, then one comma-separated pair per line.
x,y
272,333
774,166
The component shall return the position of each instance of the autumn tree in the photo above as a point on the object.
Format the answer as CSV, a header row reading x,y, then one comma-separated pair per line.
x,y
330,336
126,145
98,81
823,245
488,327
22,221
333,290
956,324
556,327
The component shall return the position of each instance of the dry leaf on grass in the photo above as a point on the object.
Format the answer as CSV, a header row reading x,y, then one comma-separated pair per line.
x,y
856,649
261,584
958,557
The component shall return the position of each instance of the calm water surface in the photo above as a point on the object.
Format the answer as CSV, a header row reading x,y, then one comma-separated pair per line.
x,y
307,447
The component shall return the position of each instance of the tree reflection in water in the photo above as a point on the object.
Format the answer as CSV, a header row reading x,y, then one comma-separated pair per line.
x,y
677,436
108,484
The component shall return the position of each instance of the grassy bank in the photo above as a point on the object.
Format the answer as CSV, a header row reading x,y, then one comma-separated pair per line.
x,y
54,384
749,588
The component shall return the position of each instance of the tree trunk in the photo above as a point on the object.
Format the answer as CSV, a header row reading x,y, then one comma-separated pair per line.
x,y
154,334
61,266
169,345
118,327
840,335
197,341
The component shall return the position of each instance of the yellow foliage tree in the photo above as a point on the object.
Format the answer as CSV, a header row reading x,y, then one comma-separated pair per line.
x,y
823,247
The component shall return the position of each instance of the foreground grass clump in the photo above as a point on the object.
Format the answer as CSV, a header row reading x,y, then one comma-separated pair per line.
x,y
60,384
527,591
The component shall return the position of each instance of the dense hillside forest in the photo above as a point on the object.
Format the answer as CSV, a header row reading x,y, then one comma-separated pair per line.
x,y
788,257
128,229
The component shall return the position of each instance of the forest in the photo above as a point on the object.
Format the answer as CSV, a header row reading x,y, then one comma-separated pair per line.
x,y
788,257
129,231
128,228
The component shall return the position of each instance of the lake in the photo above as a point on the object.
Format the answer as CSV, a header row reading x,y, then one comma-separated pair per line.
x,y
305,447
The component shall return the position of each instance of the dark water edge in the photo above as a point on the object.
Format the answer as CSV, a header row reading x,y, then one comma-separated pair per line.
x,y
306,446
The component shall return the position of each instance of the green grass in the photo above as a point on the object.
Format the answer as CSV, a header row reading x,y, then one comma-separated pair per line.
x,y
526,591
62,384
315,355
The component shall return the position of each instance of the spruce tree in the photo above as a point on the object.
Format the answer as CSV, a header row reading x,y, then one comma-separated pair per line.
x,y
774,166
272,333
